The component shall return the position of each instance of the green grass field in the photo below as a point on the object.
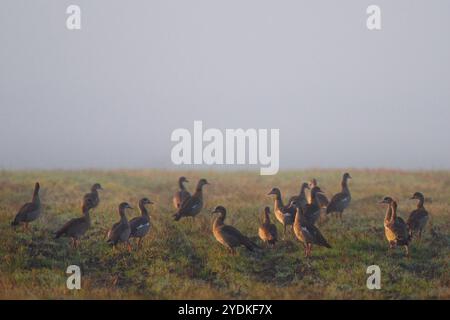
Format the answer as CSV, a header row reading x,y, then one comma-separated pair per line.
x,y
182,259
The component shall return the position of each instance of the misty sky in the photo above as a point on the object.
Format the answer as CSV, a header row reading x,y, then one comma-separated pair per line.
x,y
110,94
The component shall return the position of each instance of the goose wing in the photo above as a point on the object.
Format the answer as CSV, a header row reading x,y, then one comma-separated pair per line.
x,y
416,217
314,235
69,227
138,223
180,197
24,211
233,237
114,233
189,206
400,229
338,202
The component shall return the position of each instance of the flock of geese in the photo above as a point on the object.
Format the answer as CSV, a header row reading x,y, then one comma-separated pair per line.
x,y
301,214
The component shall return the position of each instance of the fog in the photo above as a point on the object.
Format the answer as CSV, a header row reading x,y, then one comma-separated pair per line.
x,y
110,95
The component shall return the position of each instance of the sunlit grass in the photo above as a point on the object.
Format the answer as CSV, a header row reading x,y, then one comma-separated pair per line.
x,y
183,260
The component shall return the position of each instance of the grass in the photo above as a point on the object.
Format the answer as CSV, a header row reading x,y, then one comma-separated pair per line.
x,y
182,259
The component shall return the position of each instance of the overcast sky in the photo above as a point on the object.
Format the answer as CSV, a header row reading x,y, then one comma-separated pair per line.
x,y
110,94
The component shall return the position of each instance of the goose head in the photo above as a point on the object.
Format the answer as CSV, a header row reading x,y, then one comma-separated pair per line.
x,y
346,176
387,200
96,186
123,206
274,191
418,196
221,211
145,201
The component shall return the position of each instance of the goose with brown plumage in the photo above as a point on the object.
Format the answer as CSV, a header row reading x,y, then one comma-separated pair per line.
x,y
341,200
77,227
312,210
284,214
418,218
140,226
194,204
306,232
322,199
229,236
395,228
30,211
301,197
181,195
120,231
93,196
267,231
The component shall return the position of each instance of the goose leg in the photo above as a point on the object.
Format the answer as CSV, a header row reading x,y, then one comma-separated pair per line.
x,y
139,243
407,250
129,248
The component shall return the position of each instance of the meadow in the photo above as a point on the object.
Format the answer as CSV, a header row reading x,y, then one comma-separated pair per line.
x,y
182,260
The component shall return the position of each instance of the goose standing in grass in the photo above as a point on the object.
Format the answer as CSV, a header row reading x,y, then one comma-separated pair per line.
x,y
418,218
180,196
312,210
341,200
93,195
322,199
307,232
267,231
395,228
229,236
141,225
301,197
120,231
77,227
30,211
284,214
193,205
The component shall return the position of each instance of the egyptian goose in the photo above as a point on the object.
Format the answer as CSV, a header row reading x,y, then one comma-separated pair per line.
x,y
284,214
301,197
141,225
182,194
120,231
229,236
341,200
267,231
307,232
193,205
418,218
312,210
93,195
322,199
77,227
29,211
395,228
